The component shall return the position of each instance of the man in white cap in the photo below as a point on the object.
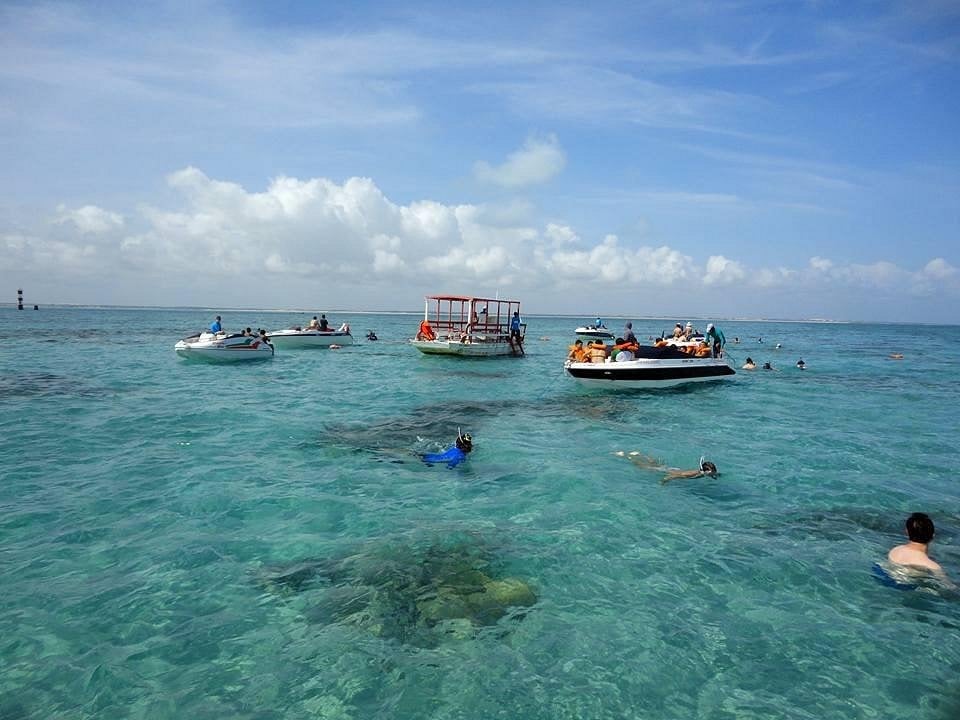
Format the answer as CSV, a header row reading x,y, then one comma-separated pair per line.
x,y
688,331
716,339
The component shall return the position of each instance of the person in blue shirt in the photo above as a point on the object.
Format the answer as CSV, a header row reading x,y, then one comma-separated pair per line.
x,y
716,339
599,323
215,326
452,456
515,335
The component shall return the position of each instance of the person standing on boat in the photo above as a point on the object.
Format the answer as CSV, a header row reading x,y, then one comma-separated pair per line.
x,y
716,339
216,327
599,323
515,336
628,335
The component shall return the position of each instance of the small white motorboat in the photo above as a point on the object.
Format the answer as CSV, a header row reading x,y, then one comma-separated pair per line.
x,y
651,367
594,331
310,338
223,348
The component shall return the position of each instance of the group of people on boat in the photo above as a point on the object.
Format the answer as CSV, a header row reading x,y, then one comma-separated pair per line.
x,y
323,325
625,347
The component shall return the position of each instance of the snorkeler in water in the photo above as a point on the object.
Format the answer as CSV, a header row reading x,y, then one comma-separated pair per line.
x,y
454,455
647,462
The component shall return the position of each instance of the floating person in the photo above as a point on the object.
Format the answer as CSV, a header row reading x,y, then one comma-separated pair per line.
x,y
777,346
768,366
454,455
371,335
801,364
648,462
915,553
759,339
896,356
736,341
749,364
215,326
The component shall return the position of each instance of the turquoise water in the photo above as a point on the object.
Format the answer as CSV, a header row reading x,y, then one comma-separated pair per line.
x,y
259,541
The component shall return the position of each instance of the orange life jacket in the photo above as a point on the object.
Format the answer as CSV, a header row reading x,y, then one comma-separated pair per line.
x,y
426,331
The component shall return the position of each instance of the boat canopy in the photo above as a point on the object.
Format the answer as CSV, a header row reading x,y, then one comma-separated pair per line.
x,y
457,315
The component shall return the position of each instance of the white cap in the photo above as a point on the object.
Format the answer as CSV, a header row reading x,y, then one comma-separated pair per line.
x,y
689,324
709,326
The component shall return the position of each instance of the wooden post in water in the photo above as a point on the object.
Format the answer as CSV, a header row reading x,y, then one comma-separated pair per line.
x,y
19,299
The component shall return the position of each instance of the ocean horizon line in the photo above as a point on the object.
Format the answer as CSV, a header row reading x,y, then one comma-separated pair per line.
x,y
573,316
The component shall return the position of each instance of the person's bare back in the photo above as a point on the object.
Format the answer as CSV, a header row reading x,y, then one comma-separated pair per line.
x,y
913,555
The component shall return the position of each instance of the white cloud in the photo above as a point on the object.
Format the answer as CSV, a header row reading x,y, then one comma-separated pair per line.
x,y
89,219
820,264
537,162
722,271
939,269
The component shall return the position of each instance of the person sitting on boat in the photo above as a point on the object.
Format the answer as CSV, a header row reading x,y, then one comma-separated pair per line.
x,y
599,323
577,353
215,326
426,332
703,350
688,331
597,352
314,324
678,332
263,337
248,333
324,325
716,339
452,456
628,335
516,339
749,364
624,350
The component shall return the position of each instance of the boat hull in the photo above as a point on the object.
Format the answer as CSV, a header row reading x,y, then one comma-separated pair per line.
x,y
309,338
650,373
234,349
593,332
459,349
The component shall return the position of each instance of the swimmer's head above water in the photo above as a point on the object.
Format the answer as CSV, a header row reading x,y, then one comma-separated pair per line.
x,y
465,442
708,468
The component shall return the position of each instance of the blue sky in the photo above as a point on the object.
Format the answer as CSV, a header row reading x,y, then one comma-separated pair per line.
x,y
717,159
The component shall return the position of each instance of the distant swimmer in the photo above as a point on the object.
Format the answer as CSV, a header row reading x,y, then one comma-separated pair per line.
x,y
371,335
454,455
749,364
896,356
768,366
801,364
914,554
777,346
647,462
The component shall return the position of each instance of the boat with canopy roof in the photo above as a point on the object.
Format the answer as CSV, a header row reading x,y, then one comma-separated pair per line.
x,y
467,326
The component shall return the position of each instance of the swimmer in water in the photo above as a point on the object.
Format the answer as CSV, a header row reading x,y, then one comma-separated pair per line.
x,y
749,364
647,462
455,455
801,364
914,554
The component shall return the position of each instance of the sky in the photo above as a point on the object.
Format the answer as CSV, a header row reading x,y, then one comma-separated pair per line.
x,y
713,159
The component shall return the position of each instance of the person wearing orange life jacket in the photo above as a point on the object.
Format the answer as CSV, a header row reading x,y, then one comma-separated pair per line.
x,y
624,350
596,352
426,332
577,353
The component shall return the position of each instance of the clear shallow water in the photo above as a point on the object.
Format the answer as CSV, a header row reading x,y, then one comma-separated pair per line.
x,y
258,541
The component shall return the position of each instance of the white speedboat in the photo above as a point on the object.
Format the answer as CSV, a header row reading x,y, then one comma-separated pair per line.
x,y
223,348
309,338
593,331
652,368
466,326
